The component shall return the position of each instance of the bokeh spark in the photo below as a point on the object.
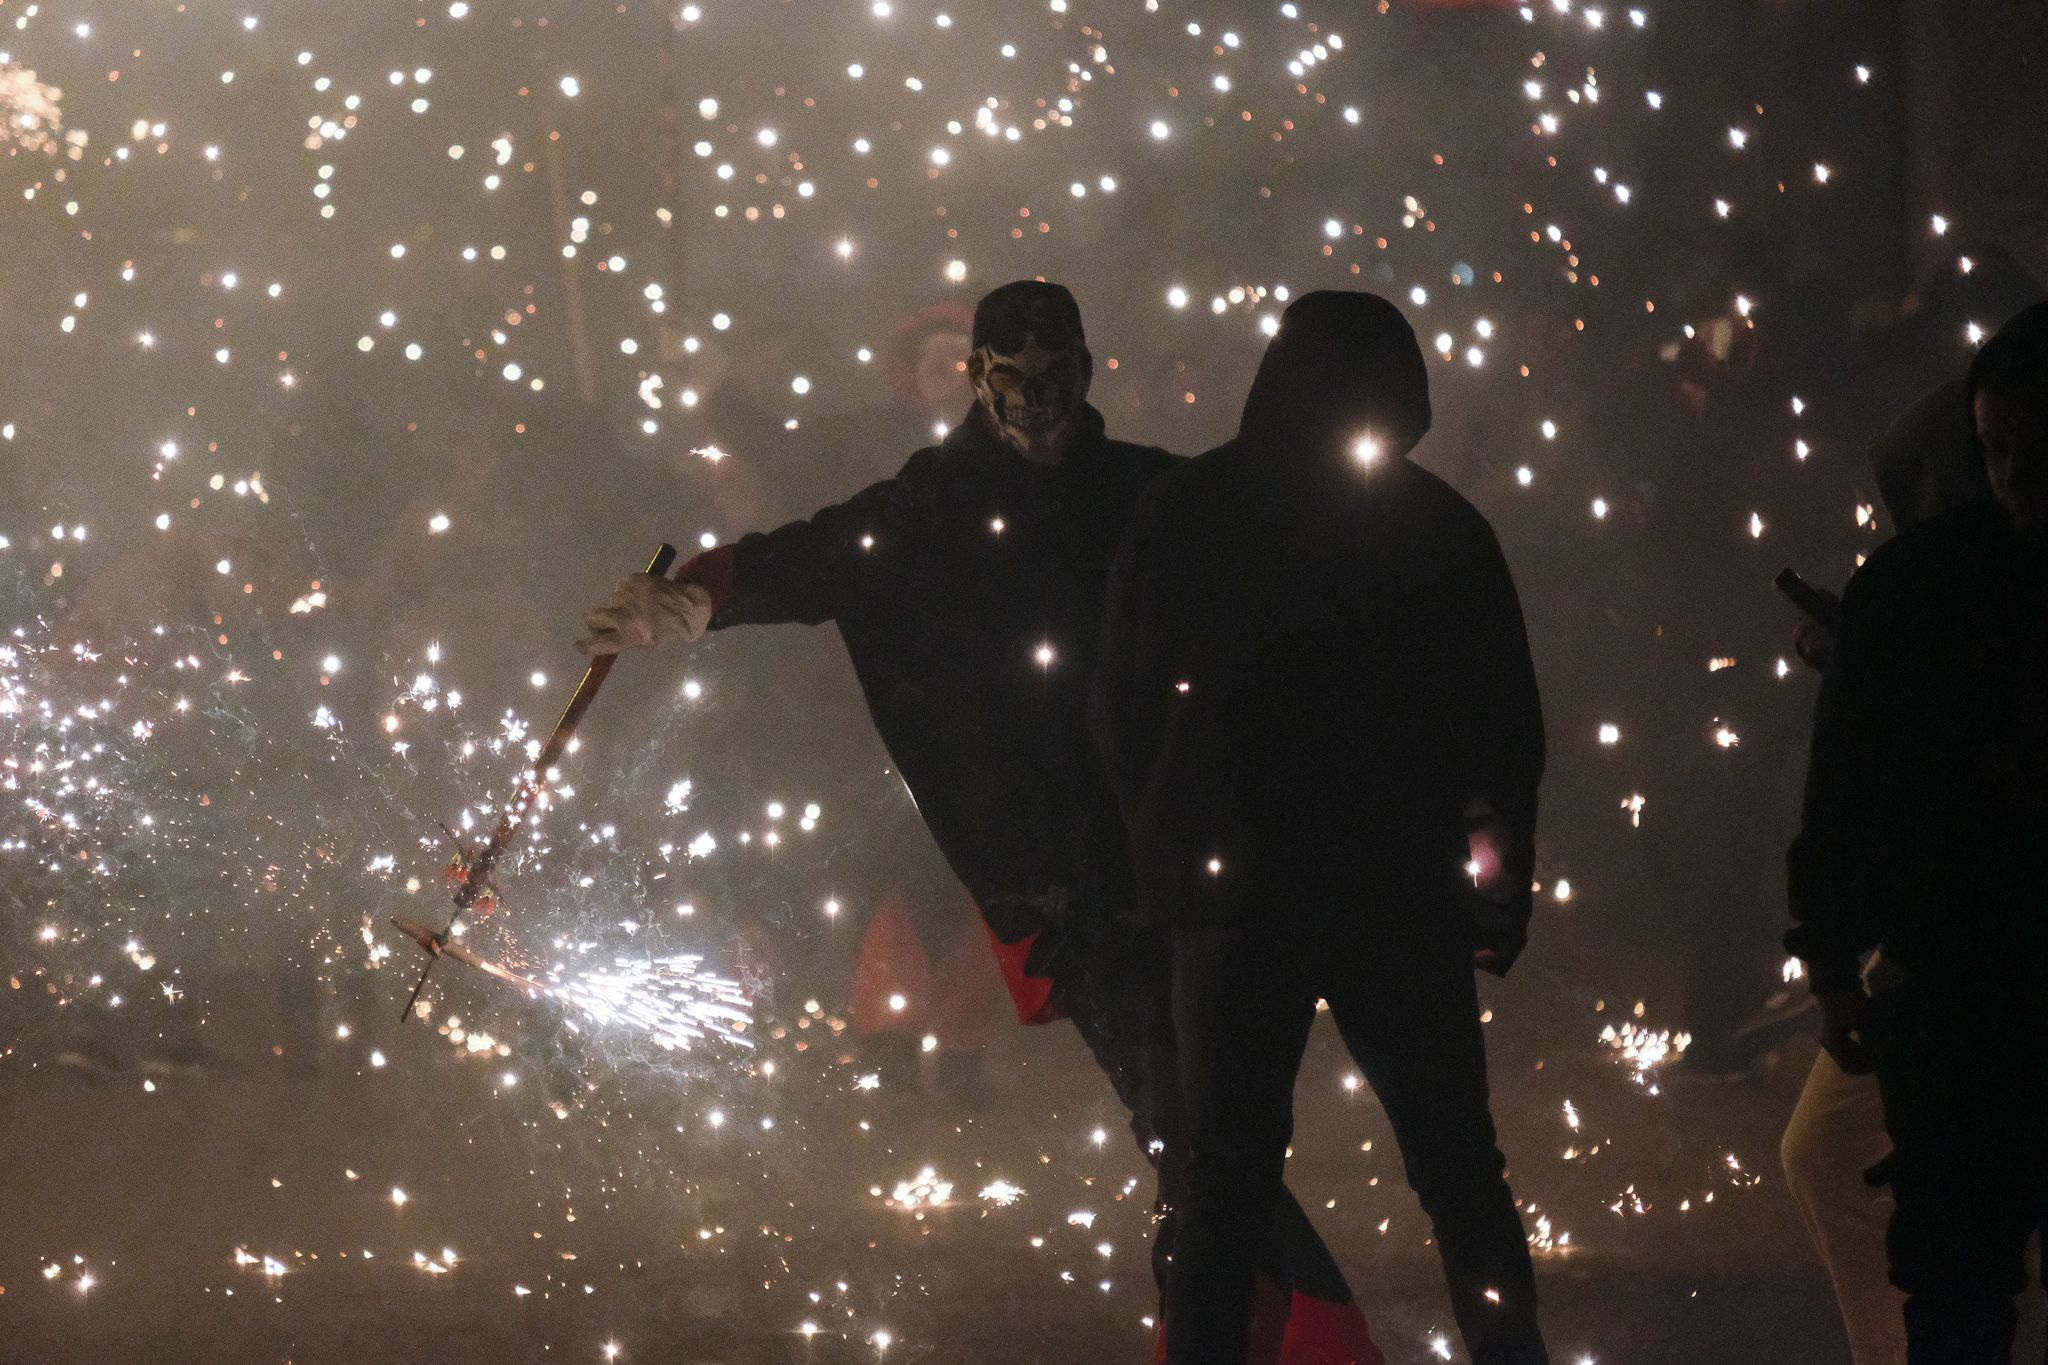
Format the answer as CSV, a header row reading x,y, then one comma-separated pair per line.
x,y
349,351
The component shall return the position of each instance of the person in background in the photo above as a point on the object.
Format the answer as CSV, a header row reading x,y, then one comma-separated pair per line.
x,y
1316,702
968,591
1927,790
784,455
1707,836
1927,462
922,977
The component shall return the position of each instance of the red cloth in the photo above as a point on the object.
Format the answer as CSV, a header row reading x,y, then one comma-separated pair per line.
x,y
1299,1331
1032,995
1320,1332
711,570
951,999
891,965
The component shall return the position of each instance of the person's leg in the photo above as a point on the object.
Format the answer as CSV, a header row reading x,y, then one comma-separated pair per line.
x,y
1120,1017
1411,1020
1122,1009
1323,1322
1964,1175
1958,1248
1242,1007
1836,1133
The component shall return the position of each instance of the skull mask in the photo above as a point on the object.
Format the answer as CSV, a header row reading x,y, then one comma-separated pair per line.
x,y
1030,367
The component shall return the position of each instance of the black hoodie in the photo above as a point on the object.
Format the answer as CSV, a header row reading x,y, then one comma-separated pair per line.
x,y
1314,669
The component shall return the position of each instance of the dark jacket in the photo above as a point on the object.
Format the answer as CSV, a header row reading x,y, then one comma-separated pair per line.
x,y
1927,791
968,590
1314,667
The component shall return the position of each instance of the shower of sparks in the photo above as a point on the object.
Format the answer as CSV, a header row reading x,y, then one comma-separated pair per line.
x,y
671,1001
30,117
257,248
925,1190
1644,1051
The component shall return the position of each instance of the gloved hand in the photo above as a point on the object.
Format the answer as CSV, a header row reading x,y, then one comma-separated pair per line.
x,y
647,610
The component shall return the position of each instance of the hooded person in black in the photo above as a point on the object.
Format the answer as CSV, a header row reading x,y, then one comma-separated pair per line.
x,y
1926,797
968,590
1315,698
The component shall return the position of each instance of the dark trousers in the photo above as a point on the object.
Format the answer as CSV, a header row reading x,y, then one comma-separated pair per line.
x,y
1965,1085
1119,997
1243,1002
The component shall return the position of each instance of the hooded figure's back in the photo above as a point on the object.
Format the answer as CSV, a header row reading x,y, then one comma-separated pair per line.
x,y
1314,664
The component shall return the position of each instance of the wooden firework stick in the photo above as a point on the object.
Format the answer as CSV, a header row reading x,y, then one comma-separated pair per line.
x,y
476,867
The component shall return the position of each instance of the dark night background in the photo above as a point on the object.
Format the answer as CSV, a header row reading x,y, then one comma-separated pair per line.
x,y
262,328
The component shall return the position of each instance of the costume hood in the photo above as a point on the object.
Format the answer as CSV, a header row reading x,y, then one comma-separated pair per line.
x,y
1342,366
1928,460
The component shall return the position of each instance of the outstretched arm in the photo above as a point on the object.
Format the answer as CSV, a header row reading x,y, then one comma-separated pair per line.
x,y
808,571
811,570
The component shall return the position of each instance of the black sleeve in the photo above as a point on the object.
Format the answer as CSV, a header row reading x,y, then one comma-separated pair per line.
x,y
1847,823
1496,711
814,569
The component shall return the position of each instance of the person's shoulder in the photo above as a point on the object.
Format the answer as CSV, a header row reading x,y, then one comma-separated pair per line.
x,y
1446,508
1431,489
927,462
1127,472
1184,486
1956,537
1978,527
929,470
1142,460
1918,564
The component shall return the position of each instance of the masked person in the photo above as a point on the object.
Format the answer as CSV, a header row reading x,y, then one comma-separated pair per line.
x,y
1927,793
968,591
1313,684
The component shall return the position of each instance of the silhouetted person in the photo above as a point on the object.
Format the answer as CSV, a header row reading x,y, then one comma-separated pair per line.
x,y
782,462
1314,690
1927,798
968,591
1927,462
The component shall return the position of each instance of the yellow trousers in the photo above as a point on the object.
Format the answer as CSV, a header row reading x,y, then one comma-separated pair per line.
x,y
1836,1133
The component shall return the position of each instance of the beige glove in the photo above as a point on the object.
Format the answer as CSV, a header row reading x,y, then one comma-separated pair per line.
x,y
647,610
